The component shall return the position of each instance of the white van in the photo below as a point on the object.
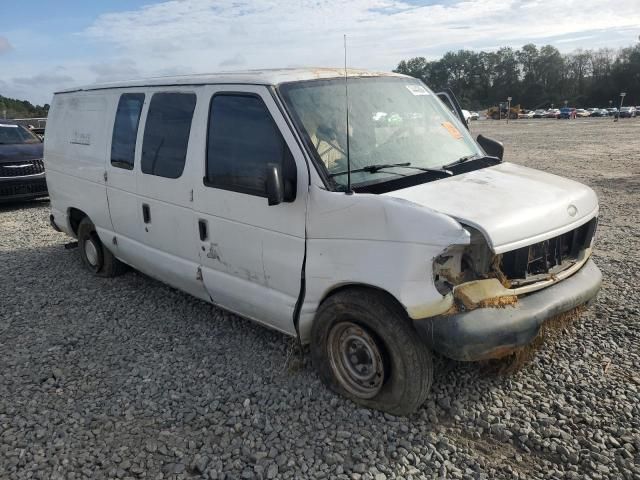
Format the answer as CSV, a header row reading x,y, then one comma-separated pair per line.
x,y
377,247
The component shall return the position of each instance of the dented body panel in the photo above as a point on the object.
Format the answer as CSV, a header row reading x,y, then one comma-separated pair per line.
x,y
511,205
377,241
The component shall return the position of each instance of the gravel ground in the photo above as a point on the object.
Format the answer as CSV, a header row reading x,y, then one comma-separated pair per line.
x,y
128,378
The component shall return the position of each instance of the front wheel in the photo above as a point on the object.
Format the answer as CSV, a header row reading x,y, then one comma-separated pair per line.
x,y
365,348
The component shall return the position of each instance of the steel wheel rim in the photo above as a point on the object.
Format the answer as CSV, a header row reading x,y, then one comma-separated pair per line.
x,y
91,252
356,360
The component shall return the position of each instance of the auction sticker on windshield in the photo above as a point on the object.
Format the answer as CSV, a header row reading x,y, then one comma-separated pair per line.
x,y
417,89
455,133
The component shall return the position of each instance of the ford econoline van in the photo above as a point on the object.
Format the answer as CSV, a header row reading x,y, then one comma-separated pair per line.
x,y
378,233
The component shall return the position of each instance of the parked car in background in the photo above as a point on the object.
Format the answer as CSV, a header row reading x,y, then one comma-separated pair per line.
x,y
627,112
21,164
553,113
540,113
467,116
581,112
474,116
567,113
599,112
613,111
235,188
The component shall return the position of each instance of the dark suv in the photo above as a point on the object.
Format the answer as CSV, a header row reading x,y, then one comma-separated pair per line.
x,y
21,165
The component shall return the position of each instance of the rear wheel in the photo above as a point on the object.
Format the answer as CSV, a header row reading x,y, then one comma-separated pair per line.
x,y
95,256
365,348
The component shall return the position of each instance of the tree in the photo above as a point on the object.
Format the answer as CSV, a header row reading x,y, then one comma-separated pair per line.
x,y
533,76
21,108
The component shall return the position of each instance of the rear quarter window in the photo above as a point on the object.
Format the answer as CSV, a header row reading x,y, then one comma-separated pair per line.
x,y
166,134
125,130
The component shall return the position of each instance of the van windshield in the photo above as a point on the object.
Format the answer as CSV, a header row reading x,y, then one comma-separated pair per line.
x,y
392,120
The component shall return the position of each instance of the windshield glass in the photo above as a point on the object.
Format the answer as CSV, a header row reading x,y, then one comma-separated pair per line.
x,y
12,134
391,120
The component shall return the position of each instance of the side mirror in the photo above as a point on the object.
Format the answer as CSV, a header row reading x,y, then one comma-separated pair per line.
x,y
491,147
275,189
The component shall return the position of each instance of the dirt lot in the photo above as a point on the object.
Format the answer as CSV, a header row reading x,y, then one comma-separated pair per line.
x,y
125,377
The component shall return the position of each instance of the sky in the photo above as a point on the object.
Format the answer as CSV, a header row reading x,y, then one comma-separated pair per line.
x,y
46,45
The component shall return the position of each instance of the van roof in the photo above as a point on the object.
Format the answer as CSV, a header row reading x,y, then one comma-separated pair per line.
x,y
249,77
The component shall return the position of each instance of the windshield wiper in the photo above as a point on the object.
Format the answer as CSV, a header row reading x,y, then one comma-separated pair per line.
x,y
381,166
466,158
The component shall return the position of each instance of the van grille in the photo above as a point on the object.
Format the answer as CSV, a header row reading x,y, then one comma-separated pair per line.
x,y
21,169
550,256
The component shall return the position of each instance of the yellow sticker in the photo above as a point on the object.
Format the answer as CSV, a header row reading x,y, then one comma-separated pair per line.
x,y
455,133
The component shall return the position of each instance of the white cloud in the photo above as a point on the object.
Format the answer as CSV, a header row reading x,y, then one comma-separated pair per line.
x,y
117,70
236,61
194,36
265,33
44,80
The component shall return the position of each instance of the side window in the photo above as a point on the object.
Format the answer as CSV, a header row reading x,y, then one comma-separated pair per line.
x,y
125,130
242,140
166,134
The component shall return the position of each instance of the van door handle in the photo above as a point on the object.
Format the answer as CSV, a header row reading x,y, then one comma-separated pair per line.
x,y
202,228
146,213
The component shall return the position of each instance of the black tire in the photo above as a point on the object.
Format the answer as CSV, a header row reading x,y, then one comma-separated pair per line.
x,y
372,315
95,256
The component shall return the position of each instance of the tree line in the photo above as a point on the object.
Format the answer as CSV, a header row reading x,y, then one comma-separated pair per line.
x,y
536,77
12,108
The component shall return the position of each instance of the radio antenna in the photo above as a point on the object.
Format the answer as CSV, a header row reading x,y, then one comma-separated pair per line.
x,y
346,96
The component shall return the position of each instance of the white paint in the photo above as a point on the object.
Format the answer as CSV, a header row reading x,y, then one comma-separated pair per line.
x,y
252,261
511,205
245,77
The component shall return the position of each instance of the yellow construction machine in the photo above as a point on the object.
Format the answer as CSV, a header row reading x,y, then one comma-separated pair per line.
x,y
497,113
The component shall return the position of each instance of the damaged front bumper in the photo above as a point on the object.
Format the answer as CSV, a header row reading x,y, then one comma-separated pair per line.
x,y
488,332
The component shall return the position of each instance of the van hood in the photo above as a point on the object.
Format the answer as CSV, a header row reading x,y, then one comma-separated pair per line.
x,y
513,206
21,151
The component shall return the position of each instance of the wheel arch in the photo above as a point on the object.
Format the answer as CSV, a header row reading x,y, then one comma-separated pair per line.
x,y
75,216
336,289
307,325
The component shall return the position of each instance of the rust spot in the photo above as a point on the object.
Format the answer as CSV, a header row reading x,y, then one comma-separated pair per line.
x,y
501,352
498,302
488,293
453,309
496,272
